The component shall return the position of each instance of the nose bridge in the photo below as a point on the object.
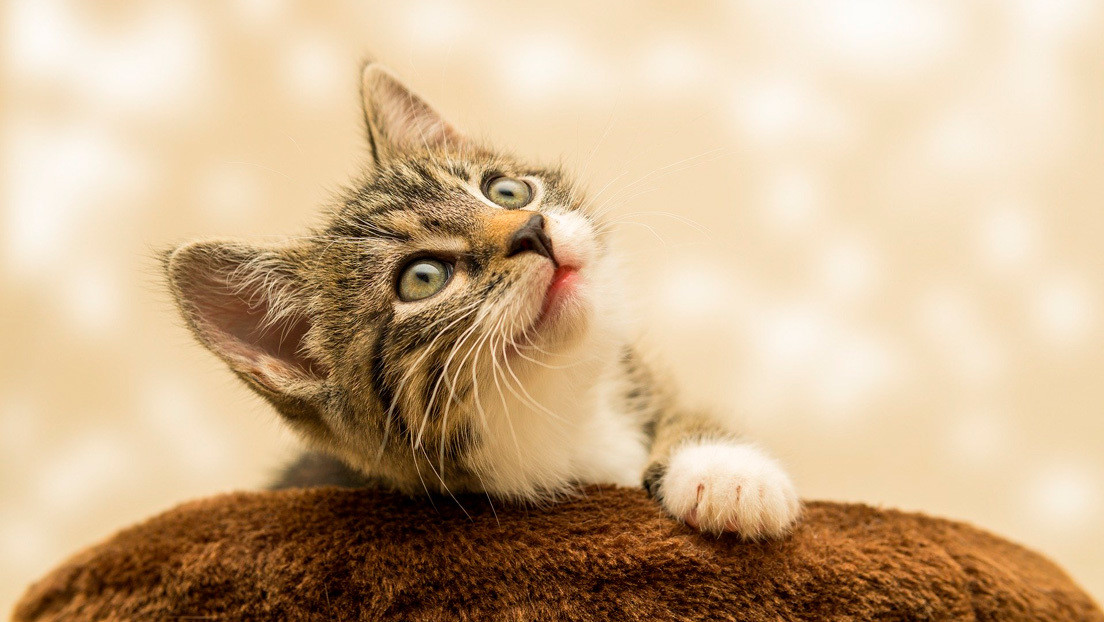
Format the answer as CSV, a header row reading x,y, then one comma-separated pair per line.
x,y
503,224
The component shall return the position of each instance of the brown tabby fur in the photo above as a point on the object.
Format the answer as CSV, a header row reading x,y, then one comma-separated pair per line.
x,y
312,325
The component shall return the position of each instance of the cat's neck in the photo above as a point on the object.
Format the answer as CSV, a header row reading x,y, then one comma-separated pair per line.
x,y
557,421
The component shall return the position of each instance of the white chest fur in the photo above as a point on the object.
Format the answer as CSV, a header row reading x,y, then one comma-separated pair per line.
x,y
542,439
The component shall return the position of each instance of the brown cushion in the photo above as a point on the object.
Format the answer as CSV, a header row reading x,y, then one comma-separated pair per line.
x,y
339,554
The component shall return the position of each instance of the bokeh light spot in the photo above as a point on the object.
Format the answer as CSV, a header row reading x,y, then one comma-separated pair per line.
x,y
1064,311
1063,497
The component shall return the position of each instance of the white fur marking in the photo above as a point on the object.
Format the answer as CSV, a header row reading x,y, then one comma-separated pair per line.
x,y
720,486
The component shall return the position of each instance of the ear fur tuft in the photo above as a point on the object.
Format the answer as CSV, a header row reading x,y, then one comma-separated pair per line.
x,y
397,119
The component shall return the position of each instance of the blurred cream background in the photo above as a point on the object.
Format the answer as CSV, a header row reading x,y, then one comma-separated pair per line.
x,y
869,228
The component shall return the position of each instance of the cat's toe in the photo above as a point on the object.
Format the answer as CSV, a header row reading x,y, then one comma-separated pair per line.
x,y
718,486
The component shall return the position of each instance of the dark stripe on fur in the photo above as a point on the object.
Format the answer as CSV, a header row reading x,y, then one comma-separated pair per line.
x,y
382,386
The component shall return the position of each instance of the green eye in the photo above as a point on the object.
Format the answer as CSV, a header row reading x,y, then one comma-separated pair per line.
x,y
508,192
422,278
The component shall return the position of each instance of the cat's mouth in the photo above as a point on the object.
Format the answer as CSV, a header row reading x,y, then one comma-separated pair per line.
x,y
564,282
561,293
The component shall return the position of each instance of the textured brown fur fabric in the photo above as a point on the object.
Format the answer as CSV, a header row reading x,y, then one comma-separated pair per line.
x,y
336,554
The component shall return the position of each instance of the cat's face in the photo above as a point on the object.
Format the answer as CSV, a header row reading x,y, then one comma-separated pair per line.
x,y
449,270
435,244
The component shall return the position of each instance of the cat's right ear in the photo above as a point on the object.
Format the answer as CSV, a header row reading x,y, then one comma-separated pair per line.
x,y
398,120
248,305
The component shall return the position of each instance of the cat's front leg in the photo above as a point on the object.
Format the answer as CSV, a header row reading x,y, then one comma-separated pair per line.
x,y
721,485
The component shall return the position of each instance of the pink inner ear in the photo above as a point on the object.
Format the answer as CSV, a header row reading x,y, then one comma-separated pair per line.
x,y
236,321
406,118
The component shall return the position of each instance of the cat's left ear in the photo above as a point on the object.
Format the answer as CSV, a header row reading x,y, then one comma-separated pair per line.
x,y
397,119
249,306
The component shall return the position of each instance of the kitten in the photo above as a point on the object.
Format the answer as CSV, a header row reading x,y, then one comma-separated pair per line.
x,y
455,326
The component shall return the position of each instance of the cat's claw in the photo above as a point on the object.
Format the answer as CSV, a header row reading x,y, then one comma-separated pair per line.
x,y
719,486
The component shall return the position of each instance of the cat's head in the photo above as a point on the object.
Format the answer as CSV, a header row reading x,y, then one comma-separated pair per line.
x,y
448,270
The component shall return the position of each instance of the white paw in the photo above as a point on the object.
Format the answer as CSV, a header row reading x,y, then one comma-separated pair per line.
x,y
716,486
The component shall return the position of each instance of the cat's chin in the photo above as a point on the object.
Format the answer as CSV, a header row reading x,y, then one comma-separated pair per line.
x,y
564,318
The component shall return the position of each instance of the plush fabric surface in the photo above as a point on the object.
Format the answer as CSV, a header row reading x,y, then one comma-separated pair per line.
x,y
338,554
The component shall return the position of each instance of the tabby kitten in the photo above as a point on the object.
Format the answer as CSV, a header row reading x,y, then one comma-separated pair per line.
x,y
456,326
